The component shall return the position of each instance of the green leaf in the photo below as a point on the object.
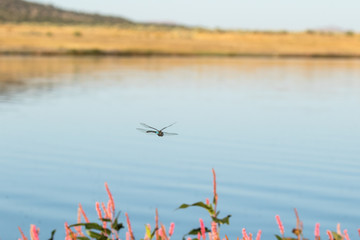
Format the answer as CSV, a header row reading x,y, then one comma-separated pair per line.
x,y
94,226
148,231
52,235
90,226
198,204
105,219
217,214
286,238
117,226
224,220
153,233
76,224
96,235
195,231
278,237
82,238
337,236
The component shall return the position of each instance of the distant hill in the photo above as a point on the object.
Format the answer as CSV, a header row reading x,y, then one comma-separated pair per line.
x,y
24,11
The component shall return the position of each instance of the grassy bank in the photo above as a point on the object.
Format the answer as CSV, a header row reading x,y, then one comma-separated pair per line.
x,y
46,39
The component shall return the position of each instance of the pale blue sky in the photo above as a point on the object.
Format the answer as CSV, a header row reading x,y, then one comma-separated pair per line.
x,y
234,14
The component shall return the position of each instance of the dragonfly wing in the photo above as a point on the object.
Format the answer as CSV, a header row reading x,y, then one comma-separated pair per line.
x,y
168,126
169,134
147,131
145,125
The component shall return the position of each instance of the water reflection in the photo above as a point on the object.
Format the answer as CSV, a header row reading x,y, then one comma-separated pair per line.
x,y
39,75
34,76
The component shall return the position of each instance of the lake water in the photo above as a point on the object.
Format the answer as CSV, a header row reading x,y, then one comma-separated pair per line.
x,y
279,133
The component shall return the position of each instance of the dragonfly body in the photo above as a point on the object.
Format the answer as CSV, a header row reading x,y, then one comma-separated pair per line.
x,y
152,130
159,133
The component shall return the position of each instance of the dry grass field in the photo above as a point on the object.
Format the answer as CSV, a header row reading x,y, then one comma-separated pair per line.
x,y
82,39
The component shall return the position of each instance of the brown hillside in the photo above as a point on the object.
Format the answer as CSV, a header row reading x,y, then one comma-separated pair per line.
x,y
23,11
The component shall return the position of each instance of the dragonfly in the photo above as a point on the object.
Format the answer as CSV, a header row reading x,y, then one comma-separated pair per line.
x,y
152,130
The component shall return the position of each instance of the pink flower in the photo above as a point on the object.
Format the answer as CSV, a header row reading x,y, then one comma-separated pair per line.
x,y
69,234
129,227
171,229
34,233
214,228
317,231
281,226
346,234
215,194
161,233
156,223
202,228
67,231
258,236
338,229
110,197
109,210
329,234
207,201
245,236
78,228
97,206
22,234
105,210
98,210
83,213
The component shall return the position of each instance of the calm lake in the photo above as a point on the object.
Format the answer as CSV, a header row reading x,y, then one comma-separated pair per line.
x,y
279,133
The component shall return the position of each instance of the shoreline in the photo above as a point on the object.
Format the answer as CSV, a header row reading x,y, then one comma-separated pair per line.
x,y
83,40
102,53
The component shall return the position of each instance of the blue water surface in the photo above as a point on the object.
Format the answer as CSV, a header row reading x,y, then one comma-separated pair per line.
x,y
279,133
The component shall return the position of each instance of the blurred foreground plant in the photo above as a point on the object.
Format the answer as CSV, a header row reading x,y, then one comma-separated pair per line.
x,y
108,226
212,210
298,231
